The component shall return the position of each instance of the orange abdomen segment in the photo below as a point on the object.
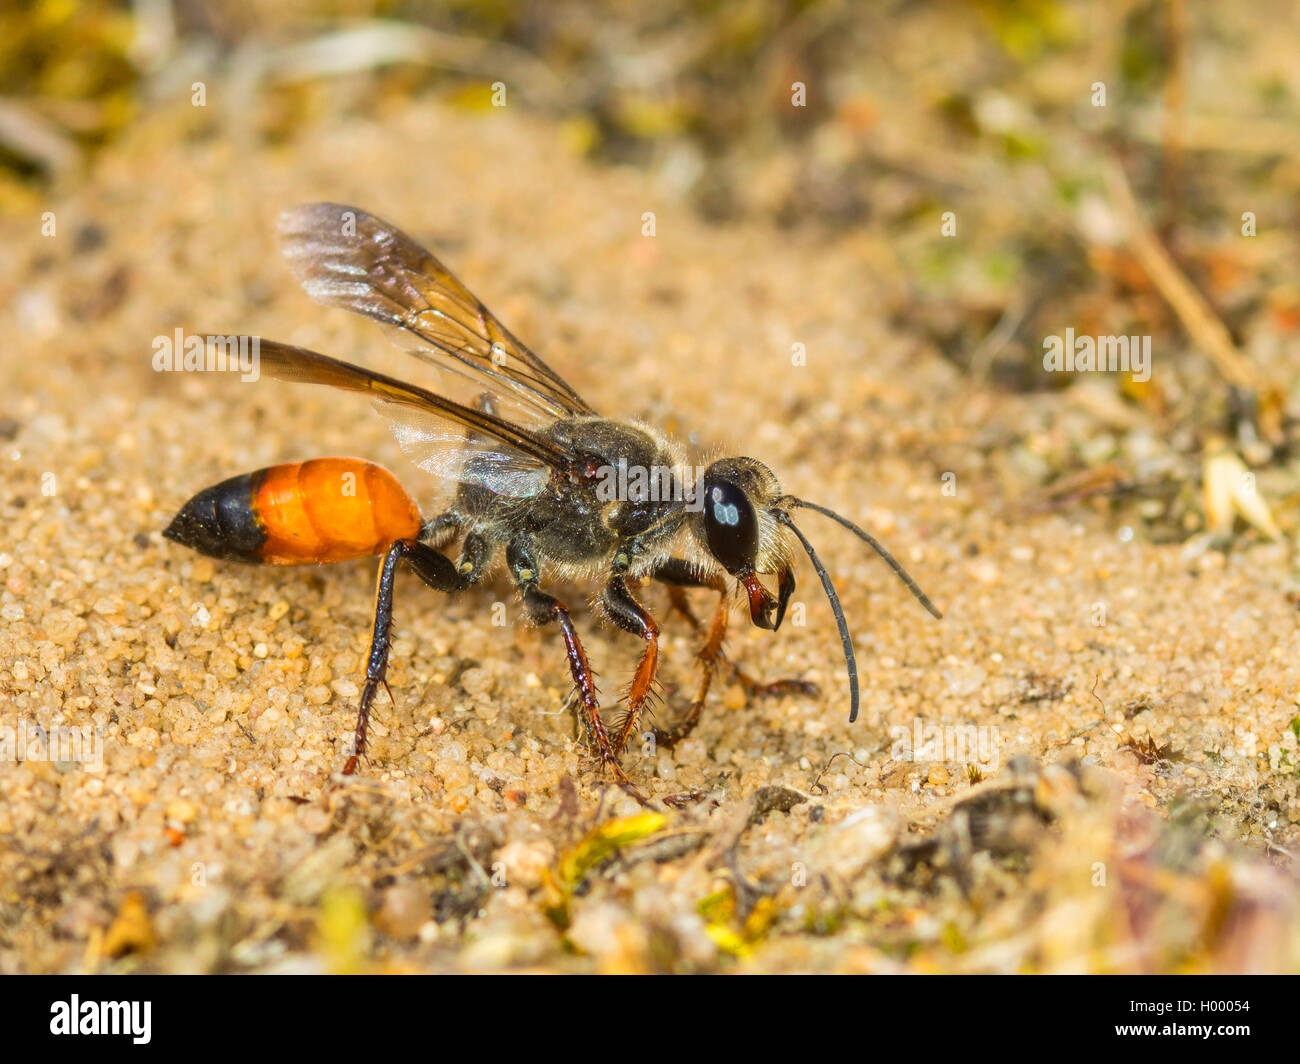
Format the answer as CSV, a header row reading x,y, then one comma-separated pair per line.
x,y
330,510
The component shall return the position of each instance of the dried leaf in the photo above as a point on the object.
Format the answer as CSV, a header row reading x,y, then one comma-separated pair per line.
x,y
1230,490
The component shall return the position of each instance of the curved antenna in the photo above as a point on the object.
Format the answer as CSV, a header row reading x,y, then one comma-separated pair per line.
x,y
850,659
873,543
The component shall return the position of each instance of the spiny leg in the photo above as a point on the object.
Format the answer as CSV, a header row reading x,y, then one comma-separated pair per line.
x,y
677,575
709,656
753,687
436,570
546,609
631,616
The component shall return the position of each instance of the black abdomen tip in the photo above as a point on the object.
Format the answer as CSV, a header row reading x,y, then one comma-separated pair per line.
x,y
221,521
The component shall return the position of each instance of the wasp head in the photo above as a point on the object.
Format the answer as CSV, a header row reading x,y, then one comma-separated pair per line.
x,y
738,526
743,524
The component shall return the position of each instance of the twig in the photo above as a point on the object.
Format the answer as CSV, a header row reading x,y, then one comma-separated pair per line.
x,y
1171,147
817,783
1002,333
1204,327
35,138
352,47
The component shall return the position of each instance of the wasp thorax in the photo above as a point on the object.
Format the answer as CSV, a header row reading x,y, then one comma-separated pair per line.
x,y
733,522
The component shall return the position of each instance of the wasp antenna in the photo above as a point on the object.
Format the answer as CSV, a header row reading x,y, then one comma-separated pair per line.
x,y
874,544
850,659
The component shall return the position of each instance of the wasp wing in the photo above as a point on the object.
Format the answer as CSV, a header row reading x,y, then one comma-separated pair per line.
x,y
495,453
344,257
436,446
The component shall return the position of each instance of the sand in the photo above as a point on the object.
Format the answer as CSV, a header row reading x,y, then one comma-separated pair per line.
x,y
1139,803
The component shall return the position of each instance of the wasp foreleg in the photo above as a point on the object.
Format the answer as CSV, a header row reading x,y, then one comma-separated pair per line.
x,y
678,574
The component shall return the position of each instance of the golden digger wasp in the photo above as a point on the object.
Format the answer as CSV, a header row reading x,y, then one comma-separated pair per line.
x,y
539,476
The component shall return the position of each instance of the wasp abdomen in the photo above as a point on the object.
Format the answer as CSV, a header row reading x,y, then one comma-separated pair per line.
x,y
299,513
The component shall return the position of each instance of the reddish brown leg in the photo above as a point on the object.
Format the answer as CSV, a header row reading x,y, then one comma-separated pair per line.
x,y
545,609
682,604
755,688
712,657
632,617
583,679
709,656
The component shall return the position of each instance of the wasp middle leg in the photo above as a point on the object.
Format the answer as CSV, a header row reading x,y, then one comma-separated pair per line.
x,y
624,610
542,609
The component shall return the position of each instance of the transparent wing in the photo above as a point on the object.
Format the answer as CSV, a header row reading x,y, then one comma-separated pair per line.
x,y
344,257
441,449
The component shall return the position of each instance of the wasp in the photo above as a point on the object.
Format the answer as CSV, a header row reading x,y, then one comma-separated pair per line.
x,y
540,480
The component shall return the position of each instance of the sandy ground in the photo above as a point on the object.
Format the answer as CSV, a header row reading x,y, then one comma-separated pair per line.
x,y
216,833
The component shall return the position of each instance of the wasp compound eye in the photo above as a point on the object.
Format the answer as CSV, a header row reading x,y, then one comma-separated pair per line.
x,y
730,525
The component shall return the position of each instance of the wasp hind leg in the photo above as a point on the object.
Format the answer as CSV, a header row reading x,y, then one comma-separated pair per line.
x,y
441,574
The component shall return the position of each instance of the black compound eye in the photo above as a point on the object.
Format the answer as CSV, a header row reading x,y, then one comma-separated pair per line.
x,y
730,525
